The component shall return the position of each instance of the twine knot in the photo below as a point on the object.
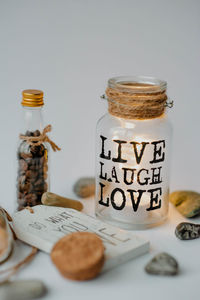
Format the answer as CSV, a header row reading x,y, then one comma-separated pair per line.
x,y
42,138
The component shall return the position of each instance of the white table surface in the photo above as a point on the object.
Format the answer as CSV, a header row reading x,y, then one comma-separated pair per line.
x,y
128,280
69,49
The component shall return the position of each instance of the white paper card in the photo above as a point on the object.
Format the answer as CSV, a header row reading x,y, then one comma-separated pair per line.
x,y
47,225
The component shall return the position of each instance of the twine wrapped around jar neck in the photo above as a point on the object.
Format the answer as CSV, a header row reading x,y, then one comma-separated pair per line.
x,y
135,100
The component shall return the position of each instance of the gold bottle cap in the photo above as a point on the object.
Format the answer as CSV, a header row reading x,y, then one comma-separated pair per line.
x,y
32,98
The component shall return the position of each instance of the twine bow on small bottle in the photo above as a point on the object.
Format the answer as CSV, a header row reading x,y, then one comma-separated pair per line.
x,y
42,138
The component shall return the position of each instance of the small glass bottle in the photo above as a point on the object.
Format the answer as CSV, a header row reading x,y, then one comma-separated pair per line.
x,y
133,144
32,156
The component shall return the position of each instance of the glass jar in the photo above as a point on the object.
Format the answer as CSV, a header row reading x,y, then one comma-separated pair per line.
x,y
133,144
33,153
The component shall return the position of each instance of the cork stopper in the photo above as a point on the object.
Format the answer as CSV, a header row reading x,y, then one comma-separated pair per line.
x,y
136,97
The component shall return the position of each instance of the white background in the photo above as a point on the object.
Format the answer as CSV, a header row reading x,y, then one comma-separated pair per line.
x,y
69,49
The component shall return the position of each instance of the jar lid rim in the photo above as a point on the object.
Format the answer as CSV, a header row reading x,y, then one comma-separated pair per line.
x,y
137,84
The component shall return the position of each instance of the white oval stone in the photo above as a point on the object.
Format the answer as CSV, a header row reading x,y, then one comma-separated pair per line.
x,y
22,290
